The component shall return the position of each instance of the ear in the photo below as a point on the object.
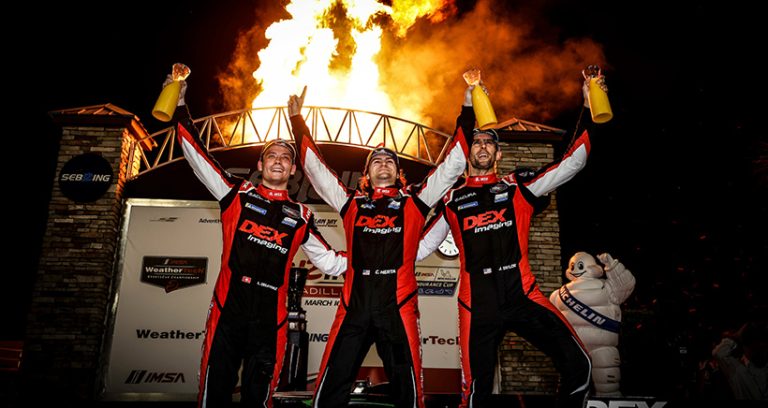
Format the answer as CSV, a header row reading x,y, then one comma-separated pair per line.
x,y
260,166
498,154
293,166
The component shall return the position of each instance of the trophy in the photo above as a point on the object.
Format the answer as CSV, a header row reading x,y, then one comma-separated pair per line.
x,y
169,97
597,96
481,104
294,377
298,278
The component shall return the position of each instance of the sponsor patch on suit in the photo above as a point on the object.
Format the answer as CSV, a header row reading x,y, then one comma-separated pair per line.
x,y
254,207
258,197
498,188
290,222
465,196
293,213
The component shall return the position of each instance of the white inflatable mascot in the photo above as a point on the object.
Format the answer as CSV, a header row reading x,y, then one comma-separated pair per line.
x,y
590,302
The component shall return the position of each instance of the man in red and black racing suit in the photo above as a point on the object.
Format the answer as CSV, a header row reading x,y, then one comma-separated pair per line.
x,y
383,220
489,218
262,229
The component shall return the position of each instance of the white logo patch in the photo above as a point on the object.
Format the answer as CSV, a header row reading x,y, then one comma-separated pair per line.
x,y
289,222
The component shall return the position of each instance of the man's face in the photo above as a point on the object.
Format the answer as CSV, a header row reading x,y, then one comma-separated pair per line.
x,y
382,170
276,166
483,153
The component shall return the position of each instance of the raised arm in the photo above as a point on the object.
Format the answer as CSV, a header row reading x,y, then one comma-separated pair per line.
x,y
321,254
323,179
727,355
555,174
442,178
218,181
619,280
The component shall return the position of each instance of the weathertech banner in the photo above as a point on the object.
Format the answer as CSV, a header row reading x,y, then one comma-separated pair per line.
x,y
173,273
171,254
170,257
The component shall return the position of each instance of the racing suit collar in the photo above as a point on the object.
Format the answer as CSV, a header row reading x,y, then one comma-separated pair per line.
x,y
379,192
476,181
271,194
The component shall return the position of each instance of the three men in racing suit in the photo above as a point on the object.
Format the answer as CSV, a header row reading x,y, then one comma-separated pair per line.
x,y
383,221
489,218
262,229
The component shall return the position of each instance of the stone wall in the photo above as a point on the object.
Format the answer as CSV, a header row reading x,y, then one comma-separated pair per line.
x,y
524,369
72,291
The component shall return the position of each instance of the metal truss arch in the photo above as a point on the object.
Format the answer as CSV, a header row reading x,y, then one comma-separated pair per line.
x,y
329,125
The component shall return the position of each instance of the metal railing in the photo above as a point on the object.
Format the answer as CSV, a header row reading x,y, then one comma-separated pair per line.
x,y
327,125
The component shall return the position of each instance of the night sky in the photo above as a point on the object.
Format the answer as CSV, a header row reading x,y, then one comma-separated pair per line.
x,y
675,186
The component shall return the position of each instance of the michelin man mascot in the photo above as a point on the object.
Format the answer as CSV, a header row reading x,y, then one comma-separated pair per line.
x,y
590,302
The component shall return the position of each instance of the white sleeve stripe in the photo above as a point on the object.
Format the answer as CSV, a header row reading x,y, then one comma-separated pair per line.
x,y
208,173
324,181
559,174
433,237
305,212
324,258
313,234
444,176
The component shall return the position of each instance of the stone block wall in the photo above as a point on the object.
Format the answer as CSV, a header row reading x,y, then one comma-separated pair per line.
x,y
523,369
72,293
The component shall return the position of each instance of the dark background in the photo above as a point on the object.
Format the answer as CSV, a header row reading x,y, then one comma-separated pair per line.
x,y
675,187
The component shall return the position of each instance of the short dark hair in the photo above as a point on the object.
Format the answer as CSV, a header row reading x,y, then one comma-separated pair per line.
x,y
279,142
381,151
491,132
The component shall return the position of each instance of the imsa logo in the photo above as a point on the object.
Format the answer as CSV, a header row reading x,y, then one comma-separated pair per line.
x,y
154,377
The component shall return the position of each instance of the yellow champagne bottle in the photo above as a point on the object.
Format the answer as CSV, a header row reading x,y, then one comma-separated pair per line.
x,y
481,103
169,96
599,106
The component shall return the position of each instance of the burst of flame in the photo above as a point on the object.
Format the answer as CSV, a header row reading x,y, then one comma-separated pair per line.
x,y
405,13
386,58
305,50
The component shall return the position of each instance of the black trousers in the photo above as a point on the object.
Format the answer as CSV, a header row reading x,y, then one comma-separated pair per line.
x,y
396,335
258,347
537,321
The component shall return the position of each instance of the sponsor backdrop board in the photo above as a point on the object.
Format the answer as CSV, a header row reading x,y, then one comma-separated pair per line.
x,y
170,257
169,262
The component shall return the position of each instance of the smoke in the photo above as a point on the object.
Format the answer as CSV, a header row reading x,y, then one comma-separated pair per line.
x,y
529,76
237,86
530,71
